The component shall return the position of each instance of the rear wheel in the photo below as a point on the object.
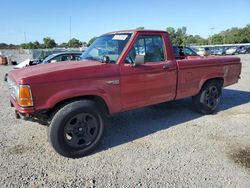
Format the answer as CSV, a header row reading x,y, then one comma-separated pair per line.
x,y
77,128
208,99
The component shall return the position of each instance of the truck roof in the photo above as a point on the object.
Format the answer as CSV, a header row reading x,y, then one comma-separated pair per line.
x,y
136,30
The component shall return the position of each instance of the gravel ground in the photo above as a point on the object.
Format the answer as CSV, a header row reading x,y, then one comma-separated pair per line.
x,y
165,145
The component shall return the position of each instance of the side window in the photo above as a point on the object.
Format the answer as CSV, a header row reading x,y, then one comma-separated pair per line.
x,y
189,52
65,57
55,59
176,51
151,46
58,58
73,57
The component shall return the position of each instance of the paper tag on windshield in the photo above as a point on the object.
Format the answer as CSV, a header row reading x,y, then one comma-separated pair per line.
x,y
119,37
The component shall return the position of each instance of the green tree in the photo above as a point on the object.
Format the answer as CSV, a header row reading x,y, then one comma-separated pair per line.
x,y
140,28
74,43
172,35
28,45
23,46
233,35
217,39
84,43
49,43
37,45
179,36
91,41
63,45
8,46
244,35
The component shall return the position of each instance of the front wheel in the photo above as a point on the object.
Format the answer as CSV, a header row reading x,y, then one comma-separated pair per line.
x,y
77,128
208,99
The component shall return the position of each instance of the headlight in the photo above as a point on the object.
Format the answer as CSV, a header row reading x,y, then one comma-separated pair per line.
x,y
13,88
21,93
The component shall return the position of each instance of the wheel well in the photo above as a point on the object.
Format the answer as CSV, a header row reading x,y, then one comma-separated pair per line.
x,y
219,80
60,104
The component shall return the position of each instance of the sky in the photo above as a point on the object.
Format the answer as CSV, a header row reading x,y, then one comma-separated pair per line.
x,y
29,20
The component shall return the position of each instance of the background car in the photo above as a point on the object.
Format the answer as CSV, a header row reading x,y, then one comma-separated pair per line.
x,y
220,51
57,57
213,50
181,52
231,51
244,50
203,51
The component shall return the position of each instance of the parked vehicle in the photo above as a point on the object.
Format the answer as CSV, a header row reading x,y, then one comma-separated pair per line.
x,y
231,51
57,57
244,50
238,49
120,71
247,49
203,51
212,50
184,52
220,51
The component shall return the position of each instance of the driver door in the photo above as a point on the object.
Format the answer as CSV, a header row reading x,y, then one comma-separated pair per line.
x,y
152,82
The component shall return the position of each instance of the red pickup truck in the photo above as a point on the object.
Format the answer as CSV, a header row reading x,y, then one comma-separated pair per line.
x,y
120,71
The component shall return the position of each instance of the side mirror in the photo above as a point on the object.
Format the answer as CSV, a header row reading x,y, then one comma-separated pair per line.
x,y
105,59
139,60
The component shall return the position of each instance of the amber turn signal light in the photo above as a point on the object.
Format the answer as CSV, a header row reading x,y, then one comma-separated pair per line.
x,y
25,96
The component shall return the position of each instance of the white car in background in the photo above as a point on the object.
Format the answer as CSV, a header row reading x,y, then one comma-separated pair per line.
x,y
56,57
203,51
231,51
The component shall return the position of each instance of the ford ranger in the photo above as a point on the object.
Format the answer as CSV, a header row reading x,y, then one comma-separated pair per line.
x,y
120,71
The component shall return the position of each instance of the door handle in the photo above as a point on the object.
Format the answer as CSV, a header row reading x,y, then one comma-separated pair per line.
x,y
166,66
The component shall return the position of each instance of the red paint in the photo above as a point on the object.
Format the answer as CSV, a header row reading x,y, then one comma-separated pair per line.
x,y
138,86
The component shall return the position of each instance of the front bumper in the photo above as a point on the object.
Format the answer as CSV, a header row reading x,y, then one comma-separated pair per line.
x,y
22,110
29,113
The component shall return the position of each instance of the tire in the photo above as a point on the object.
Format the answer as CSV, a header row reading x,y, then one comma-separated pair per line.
x,y
77,128
208,99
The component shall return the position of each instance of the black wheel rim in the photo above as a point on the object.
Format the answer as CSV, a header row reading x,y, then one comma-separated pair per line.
x,y
81,130
212,97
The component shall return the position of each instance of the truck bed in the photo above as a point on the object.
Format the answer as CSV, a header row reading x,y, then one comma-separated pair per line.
x,y
193,73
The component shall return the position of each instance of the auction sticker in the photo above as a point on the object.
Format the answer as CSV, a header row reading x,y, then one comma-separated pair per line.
x,y
119,37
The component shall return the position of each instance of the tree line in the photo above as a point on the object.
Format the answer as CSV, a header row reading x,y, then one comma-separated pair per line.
x,y
233,35
178,36
50,43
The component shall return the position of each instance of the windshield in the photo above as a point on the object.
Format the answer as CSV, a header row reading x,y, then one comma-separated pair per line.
x,y
110,45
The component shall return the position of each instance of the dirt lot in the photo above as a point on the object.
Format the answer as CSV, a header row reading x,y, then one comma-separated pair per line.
x,y
166,145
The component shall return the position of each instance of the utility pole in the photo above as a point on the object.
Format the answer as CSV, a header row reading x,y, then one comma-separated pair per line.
x,y
25,41
69,27
211,38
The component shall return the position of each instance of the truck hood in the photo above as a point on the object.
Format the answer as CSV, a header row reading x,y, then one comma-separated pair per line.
x,y
55,72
